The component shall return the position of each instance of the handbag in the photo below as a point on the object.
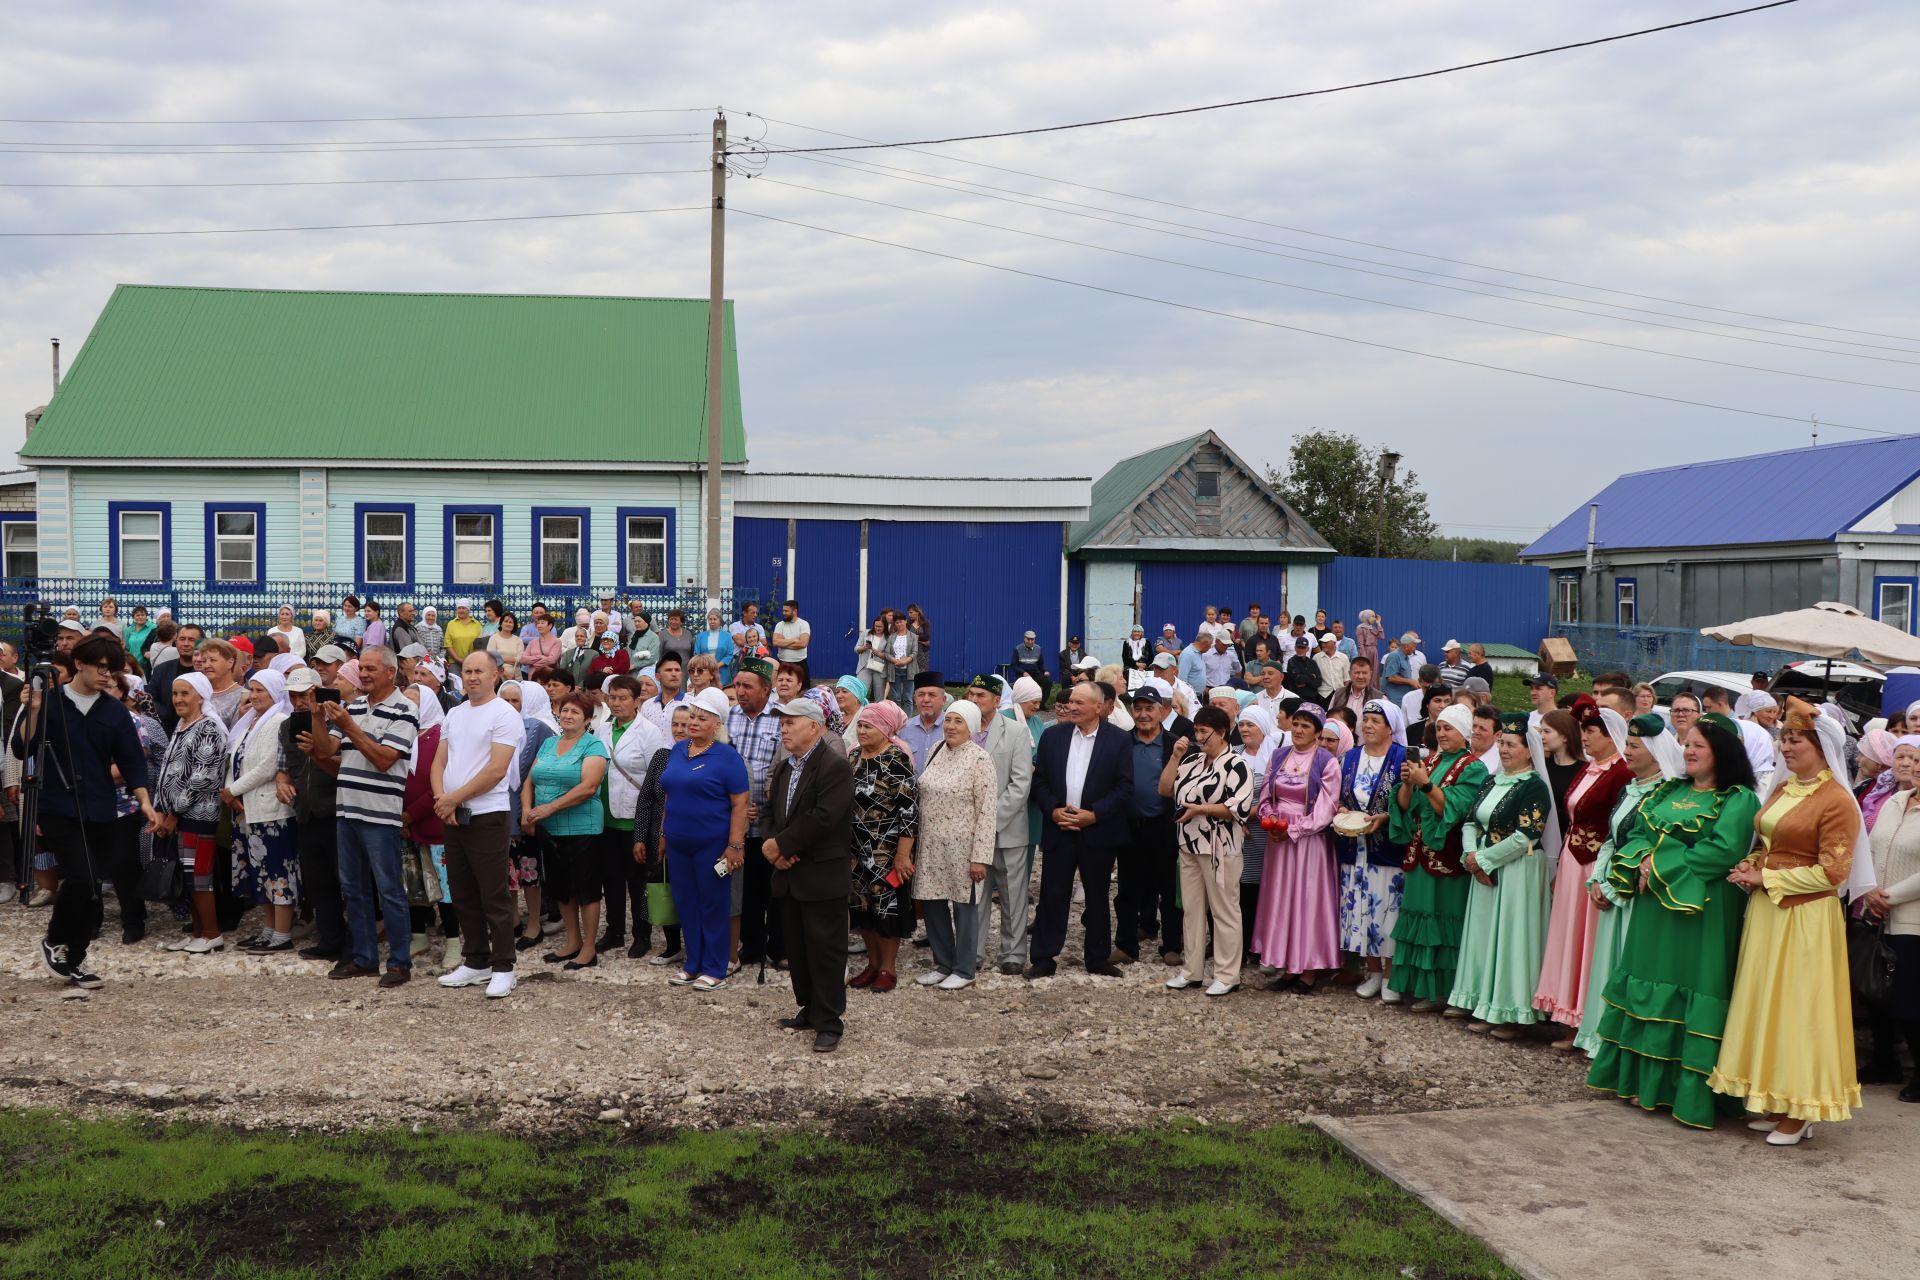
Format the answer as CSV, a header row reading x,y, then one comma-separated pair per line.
x,y
160,879
660,909
1870,960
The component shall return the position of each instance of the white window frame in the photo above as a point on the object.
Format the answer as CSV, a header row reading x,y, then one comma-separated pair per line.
x,y
630,544
467,542
222,541
11,533
158,538
1626,602
1904,609
575,541
367,540
1566,599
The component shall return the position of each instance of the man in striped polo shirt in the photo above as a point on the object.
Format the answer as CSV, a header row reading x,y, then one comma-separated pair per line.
x,y
369,747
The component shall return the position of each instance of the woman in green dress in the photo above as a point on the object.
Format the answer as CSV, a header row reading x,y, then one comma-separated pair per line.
x,y
1428,808
1666,1000
1654,756
1506,927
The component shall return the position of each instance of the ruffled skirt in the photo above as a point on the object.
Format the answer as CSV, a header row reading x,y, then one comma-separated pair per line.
x,y
1426,937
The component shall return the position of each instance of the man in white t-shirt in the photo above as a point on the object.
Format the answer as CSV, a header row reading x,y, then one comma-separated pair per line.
x,y
479,741
791,636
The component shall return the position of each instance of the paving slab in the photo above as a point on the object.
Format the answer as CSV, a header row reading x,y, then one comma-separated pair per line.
x,y
1600,1188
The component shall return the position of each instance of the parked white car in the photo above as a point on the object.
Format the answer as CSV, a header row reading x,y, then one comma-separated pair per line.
x,y
1855,686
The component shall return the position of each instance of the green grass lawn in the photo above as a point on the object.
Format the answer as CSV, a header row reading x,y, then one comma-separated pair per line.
x,y
1510,691
940,1196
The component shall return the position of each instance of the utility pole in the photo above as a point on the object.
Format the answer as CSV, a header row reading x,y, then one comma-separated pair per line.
x,y
716,356
1388,461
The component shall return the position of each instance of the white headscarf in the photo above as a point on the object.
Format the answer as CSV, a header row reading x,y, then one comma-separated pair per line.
x,y
1262,720
1751,701
536,706
1616,726
1461,718
431,714
1025,690
280,662
1389,711
1833,740
968,713
276,686
204,687
428,613
1666,752
1550,843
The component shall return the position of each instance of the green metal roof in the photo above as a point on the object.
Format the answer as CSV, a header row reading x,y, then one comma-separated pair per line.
x,y
278,374
1123,483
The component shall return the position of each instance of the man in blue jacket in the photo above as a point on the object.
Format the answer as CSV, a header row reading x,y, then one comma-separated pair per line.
x,y
87,731
1083,787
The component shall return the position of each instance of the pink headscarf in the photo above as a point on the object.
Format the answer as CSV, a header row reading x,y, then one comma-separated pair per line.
x,y
888,719
1344,734
350,672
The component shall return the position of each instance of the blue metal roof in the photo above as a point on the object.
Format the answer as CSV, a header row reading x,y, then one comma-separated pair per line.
x,y
1796,495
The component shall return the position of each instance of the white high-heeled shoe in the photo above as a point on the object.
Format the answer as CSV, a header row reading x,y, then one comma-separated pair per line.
x,y
1763,1125
1779,1139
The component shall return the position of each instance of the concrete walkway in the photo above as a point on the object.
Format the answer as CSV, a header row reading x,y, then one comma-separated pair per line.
x,y
1601,1188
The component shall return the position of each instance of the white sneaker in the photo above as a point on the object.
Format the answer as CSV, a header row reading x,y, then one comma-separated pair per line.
x,y
201,946
8,892
954,982
40,897
465,977
1220,988
499,986
180,943
856,945
1389,996
1370,988
1180,983
933,979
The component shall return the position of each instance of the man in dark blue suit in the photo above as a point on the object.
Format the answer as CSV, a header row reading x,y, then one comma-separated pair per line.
x,y
1083,783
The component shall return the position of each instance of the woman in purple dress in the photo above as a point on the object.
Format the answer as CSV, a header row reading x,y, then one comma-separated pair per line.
x,y
1297,927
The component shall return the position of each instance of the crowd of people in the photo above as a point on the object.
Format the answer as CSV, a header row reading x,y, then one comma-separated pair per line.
x,y
1670,891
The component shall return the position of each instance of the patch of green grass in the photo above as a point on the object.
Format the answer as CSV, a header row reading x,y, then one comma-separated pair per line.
x,y
1510,691
946,1195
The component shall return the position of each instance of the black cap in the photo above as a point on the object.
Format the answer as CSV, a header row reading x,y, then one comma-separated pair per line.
x,y
1301,642
929,680
1145,693
1544,680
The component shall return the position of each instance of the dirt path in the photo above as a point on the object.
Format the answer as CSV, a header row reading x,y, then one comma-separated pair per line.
x,y
271,1042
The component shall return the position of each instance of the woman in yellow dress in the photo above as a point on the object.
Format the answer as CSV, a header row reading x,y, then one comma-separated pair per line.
x,y
1788,1048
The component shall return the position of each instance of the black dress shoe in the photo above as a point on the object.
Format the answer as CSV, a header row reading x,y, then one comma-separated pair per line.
x,y
132,934
319,953
571,965
1912,1092
639,949
610,942
559,957
1041,969
522,942
795,1023
826,1041
1104,971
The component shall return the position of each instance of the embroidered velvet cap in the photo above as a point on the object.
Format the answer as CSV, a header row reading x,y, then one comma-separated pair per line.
x,y
759,667
1515,723
1715,720
1646,726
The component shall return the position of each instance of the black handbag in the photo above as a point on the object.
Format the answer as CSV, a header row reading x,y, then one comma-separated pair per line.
x,y
160,879
1870,961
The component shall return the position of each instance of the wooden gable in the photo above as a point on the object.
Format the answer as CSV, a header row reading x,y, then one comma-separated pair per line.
x,y
1209,494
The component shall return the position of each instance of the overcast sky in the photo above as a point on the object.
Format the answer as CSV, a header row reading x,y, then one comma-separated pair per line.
x,y
1765,164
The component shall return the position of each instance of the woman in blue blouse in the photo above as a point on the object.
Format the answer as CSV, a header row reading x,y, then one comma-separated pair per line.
x,y
717,642
705,831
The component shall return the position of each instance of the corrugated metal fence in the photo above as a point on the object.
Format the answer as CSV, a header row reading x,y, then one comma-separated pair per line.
x,y
1487,603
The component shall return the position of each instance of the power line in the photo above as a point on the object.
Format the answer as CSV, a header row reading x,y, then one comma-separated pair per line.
x,y
1322,235
1303,93
321,151
348,182
1334,293
496,115
1316,333
356,226
1466,286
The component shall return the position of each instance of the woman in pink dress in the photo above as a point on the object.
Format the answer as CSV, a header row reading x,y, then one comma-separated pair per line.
x,y
1297,929
1590,800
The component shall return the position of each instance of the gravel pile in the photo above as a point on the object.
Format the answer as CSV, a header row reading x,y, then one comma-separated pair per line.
x,y
270,1042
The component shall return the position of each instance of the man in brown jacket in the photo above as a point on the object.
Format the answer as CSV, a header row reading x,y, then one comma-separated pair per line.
x,y
809,842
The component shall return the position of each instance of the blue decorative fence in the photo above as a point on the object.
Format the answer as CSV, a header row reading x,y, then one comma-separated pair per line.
x,y
1485,603
1645,652
229,612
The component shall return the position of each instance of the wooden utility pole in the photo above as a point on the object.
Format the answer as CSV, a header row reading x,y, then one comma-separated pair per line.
x,y
716,357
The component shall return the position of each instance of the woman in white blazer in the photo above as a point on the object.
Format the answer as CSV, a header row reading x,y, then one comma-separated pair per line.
x,y
266,865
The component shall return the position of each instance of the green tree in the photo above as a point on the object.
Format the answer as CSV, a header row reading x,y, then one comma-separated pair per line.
x,y
1478,550
1334,481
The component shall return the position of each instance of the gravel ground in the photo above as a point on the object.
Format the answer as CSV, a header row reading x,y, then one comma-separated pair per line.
x,y
270,1042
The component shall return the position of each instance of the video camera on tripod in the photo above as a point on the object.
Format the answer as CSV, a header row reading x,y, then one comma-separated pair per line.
x,y
40,629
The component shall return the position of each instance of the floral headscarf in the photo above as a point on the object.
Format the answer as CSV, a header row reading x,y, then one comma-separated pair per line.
x,y
836,719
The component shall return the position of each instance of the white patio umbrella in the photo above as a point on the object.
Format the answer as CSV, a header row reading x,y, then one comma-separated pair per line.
x,y
1827,630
